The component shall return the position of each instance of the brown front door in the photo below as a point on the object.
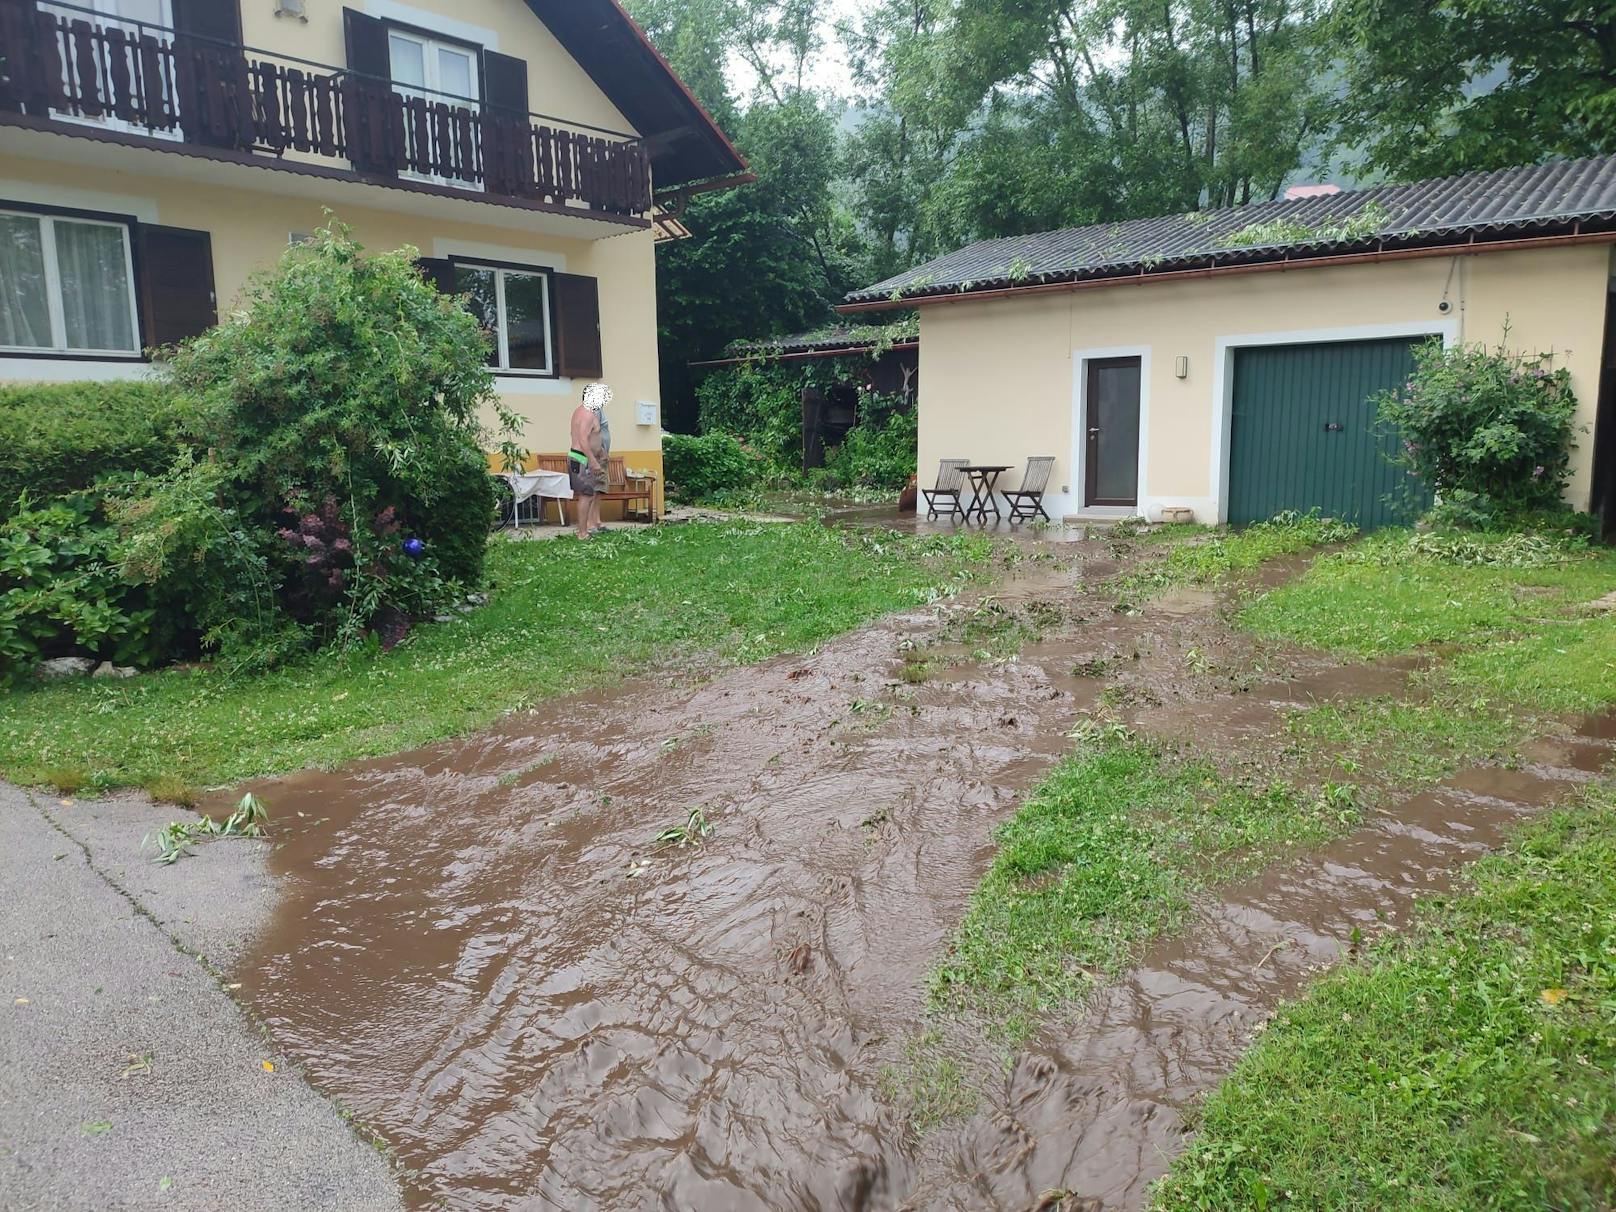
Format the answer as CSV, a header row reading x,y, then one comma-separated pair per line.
x,y
1111,465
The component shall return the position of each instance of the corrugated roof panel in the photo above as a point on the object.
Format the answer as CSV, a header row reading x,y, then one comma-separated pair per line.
x,y
1510,200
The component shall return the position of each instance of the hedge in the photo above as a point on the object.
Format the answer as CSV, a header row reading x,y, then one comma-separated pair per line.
x,y
57,438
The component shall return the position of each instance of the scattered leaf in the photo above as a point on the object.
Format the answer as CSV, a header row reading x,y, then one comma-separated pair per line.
x,y
269,1066
98,1128
164,1183
1553,997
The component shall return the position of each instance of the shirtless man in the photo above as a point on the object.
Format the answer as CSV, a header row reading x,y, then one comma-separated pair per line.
x,y
591,443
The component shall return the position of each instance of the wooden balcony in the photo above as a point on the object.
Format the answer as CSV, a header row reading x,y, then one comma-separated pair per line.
x,y
125,80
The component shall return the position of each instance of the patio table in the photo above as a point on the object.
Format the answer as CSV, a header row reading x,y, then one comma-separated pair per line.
x,y
546,485
983,477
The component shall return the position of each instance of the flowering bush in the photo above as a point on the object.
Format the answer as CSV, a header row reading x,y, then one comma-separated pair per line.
x,y
1489,431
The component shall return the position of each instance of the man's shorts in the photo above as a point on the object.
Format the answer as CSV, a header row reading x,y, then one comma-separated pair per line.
x,y
585,480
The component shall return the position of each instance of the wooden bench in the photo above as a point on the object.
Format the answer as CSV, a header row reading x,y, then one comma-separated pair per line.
x,y
619,486
625,488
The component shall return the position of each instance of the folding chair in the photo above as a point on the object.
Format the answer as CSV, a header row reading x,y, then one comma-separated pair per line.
x,y
1027,501
950,479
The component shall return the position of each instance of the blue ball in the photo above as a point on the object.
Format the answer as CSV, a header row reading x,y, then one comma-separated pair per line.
x,y
414,548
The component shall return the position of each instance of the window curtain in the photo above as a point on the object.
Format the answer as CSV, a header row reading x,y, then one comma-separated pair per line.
x,y
24,308
95,286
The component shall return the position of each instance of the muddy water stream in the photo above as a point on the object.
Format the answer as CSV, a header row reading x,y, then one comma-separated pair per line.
x,y
1093,1111
486,956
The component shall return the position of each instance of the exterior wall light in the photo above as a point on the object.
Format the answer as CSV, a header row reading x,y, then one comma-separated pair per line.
x,y
290,8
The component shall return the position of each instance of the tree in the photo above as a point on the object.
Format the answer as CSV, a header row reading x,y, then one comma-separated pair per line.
x,y
1434,87
763,259
999,117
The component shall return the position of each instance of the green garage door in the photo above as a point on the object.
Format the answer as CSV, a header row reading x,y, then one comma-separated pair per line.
x,y
1303,435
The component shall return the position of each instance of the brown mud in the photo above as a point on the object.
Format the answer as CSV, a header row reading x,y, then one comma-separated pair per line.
x,y
487,956
1092,1112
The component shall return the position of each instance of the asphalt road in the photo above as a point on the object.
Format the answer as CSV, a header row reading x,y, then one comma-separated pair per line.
x,y
128,1076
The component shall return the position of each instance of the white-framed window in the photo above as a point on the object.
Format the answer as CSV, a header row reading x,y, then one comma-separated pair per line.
x,y
513,304
67,286
134,17
438,72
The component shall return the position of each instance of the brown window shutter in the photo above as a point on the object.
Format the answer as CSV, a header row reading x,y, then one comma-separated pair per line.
x,y
439,271
175,267
367,44
577,311
219,20
207,51
367,94
20,84
505,83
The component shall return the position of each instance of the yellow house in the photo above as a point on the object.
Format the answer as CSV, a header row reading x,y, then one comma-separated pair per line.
x,y
1223,361
154,153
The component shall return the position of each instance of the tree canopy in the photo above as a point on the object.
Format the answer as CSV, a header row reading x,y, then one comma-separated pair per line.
x,y
979,118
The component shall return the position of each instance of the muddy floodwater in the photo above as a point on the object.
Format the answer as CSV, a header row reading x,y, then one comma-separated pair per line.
x,y
484,952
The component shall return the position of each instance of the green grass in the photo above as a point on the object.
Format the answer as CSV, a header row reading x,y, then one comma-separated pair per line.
x,y
1194,556
930,1083
564,616
1105,854
1566,666
1382,596
1405,742
1469,1064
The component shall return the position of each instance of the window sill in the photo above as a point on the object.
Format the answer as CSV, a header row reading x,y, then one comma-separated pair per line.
x,y
58,355
60,368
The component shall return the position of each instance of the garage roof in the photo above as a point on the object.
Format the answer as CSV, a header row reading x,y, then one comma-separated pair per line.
x,y
686,145
1512,203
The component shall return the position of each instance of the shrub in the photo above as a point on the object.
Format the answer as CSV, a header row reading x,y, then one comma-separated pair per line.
x,y
698,468
138,570
459,519
1489,431
204,576
57,438
349,385
761,403
60,592
878,452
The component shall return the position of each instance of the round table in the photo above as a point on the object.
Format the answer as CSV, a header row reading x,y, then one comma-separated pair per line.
x,y
983,477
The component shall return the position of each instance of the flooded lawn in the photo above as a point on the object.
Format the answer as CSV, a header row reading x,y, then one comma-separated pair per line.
x,y
665,945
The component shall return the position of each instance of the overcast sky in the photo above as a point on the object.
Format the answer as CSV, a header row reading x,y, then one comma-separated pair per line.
x,y
828,72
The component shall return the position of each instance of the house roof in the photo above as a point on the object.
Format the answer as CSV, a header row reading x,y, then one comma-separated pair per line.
x,y
833,341
686,145
1513,203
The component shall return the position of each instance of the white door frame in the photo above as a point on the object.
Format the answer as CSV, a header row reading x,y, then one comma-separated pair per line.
x,y
1080,408
1447,327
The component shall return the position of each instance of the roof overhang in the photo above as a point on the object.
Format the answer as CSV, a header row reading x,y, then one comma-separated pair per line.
x,y
1144,275
805,355
686,145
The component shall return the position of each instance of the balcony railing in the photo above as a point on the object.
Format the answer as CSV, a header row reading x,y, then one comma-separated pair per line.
x,y
142,79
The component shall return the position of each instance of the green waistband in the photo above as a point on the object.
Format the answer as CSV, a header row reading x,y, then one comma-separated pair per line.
x,y
578,456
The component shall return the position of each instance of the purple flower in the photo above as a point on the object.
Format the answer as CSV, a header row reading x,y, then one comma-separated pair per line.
x,y
1537,471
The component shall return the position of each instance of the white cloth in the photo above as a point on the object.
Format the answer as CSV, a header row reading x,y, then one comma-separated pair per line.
x,y
527,484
